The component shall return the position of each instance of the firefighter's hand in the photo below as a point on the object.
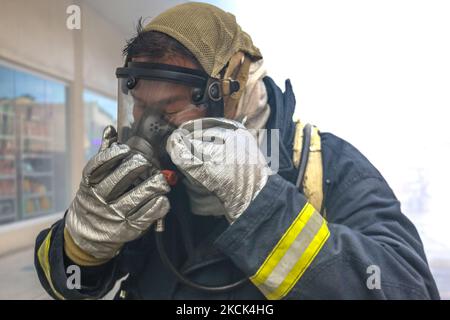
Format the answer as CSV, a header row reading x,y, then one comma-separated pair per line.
x,y
109,209
223,157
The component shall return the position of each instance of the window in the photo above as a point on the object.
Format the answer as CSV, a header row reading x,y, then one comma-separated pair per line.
x,y
99,111
33,146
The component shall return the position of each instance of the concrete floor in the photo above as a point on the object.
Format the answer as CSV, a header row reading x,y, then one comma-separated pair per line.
x,y
19,281
18,278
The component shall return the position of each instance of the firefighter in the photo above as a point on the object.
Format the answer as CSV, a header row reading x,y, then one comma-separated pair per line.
x,y
161,205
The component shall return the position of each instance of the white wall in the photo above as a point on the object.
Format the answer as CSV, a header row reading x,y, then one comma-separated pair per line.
x,y
376,73
102,47
33,34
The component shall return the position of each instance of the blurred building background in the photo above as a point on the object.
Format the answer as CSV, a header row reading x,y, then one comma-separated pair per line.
x,y
374,73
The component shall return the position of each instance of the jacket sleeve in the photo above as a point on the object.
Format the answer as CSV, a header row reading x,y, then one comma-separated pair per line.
x,y
288,250
56,276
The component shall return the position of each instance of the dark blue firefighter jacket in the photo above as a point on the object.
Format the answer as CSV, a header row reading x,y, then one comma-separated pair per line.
x,y
366,232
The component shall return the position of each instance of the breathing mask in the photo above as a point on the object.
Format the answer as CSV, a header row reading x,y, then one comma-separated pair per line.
x,y
153,97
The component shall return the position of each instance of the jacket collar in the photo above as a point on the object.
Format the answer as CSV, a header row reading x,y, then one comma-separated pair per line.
x,y
282,106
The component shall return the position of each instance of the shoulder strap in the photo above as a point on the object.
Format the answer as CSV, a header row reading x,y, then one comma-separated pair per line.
x,y
304,156
307,157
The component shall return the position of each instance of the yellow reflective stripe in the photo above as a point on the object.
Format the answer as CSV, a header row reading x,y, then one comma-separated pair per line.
x,y
43,257
292,255
282,246
295,252
302,264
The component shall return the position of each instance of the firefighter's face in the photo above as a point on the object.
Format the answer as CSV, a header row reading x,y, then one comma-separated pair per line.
x,y
172,100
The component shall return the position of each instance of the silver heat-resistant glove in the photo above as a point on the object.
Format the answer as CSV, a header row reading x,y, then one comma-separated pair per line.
x,y
222,158
108,209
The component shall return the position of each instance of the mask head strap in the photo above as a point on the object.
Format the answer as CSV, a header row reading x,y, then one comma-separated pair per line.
x,y
206,90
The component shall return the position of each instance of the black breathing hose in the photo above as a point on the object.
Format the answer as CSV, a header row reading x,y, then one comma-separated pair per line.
x,y
159,229
155,128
